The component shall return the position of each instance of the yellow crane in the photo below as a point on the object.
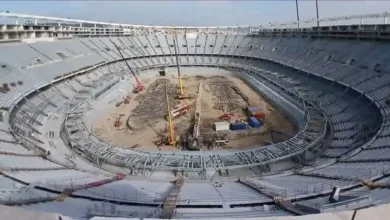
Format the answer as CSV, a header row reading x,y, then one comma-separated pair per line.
x,y
171,135
181,94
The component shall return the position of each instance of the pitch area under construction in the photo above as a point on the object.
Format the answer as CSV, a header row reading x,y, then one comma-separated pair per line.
x,y
140,120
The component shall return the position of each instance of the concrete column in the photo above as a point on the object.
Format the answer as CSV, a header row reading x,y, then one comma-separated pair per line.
x,y
16,21
35,21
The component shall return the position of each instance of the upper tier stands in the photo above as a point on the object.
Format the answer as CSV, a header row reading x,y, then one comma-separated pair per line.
x,y
349,78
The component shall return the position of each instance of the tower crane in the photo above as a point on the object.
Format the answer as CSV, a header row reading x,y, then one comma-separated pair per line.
x,y
140,86
181,94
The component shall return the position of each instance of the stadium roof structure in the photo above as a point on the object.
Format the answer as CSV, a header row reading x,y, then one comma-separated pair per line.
x,y
331,81
382,18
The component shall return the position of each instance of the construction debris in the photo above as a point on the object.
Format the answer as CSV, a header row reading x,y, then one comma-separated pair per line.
x,y
223,99
227,97
153,103
238,91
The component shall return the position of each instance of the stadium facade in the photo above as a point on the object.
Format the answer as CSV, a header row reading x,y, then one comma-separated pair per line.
x,y
331,80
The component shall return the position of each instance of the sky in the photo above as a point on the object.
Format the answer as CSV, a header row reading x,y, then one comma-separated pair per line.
x,y
194,13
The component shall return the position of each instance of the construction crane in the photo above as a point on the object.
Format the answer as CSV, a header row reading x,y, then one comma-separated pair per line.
x,y
140,86
181,94
171,135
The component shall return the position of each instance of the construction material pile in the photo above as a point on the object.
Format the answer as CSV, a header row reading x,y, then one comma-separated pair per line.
x,y
228,97
153,102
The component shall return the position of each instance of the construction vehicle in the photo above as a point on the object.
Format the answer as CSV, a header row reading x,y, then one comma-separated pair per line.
x,y
226,116
164,140
159,142
118,104
181,94
182,110
118,121
162,71
221,142
139,86
126,100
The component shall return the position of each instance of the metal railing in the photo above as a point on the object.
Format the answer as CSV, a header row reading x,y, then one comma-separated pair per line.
x,y
101,143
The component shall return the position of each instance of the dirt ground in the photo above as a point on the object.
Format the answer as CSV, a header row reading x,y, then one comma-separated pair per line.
x,y
144,117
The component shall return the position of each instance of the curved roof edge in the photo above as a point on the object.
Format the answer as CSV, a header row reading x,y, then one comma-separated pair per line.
x,y
312,22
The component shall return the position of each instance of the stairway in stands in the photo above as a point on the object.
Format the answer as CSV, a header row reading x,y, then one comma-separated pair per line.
x,y
67,192
279,199
169,204
369,182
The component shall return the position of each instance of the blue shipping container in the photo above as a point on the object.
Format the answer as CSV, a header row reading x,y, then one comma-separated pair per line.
x,y
238,126
254,122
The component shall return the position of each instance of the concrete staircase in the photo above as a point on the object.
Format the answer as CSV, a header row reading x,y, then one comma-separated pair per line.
x,y
169,204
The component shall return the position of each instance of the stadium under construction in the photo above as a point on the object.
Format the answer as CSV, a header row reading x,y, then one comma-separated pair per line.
x,y
101,119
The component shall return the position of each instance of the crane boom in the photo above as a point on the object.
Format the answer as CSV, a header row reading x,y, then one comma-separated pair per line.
x,y
171,138
178,67
140,86
181,94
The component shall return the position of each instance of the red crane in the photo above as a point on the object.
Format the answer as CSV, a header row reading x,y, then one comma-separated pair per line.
x,y
140,86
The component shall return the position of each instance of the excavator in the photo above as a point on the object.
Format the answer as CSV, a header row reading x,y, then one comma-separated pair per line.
x,y
181,94
139,86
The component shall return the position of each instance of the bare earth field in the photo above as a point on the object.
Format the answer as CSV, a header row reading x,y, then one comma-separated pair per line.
x,y
143,119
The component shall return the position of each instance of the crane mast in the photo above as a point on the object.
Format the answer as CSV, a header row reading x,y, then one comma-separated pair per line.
x,y
178,68
181,94
140,86
171,137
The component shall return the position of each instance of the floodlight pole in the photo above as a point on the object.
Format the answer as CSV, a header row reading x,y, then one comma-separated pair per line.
x,y
296,6
318,22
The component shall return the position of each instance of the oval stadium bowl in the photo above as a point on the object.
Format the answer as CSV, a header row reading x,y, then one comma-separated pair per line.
x,y
149,122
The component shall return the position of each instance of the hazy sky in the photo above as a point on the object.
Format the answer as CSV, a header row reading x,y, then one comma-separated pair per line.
x,y
193,12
